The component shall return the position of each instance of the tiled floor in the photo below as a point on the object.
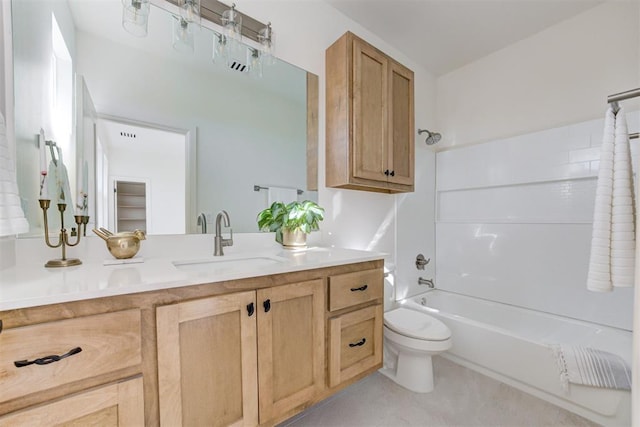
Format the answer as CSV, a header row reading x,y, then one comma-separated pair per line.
x,y
462,397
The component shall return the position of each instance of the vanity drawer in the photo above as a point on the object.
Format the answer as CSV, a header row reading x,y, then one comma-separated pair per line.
x,y
355,343
109,342
355,288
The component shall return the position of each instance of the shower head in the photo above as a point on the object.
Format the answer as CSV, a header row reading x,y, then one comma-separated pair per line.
x,y
432,137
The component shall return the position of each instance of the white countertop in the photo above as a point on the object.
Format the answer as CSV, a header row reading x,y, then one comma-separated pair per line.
x,y
31,284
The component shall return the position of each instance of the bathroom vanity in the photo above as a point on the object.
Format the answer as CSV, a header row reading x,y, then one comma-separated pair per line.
x,y
234,340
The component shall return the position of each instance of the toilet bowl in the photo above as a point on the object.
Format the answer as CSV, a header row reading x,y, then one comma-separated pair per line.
x,y
411,338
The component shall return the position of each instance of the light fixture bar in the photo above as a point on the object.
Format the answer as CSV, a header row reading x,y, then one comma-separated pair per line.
x,y
212,10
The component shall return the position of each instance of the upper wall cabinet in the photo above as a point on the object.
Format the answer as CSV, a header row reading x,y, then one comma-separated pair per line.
x,y
370,119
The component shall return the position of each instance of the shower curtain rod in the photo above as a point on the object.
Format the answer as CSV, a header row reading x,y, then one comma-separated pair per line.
x,y
613,100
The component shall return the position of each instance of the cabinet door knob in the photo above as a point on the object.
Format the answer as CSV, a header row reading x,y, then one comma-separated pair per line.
x,y
359,343
386,172
267,305
46,359
250,309
361,288
392,173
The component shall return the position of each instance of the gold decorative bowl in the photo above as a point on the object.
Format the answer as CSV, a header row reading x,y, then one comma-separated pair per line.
x,y
122,245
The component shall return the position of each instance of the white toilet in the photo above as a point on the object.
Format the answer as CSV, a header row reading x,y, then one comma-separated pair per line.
x,y
411,337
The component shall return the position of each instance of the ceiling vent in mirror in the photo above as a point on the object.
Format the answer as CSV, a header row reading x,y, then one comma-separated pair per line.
x,y
238,66
127,135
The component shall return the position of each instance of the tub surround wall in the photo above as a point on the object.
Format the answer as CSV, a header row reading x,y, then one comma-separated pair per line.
x,y
518,229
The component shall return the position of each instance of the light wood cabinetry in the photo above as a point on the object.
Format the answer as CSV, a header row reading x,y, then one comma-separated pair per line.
x,y
119,404
370,119
207,369
54,357
290,347
355,331
212,365
106,343
241,352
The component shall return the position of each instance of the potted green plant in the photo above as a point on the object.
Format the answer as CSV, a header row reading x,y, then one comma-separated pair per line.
x,y
291,222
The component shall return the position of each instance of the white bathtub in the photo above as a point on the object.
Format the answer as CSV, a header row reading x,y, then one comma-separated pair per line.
x,y
511,344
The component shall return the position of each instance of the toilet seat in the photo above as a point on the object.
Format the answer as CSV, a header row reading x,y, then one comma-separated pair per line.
x,y
415,324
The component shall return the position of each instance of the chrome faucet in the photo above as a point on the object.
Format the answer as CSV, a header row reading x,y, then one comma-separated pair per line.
x,y
202,221
219,242
428,282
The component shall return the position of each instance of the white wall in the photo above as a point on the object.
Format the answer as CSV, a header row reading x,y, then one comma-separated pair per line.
x,y
557,77
32,64
356,219
157,157
3,99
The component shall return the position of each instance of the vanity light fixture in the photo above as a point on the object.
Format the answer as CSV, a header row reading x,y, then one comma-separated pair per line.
x,y
190,10
232,23
135,16
182,35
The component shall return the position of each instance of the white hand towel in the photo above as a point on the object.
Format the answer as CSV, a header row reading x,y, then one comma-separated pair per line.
x,y
281,194
622,274
599,277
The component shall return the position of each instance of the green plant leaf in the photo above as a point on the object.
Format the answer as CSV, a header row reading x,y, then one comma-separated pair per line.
x,y
304,216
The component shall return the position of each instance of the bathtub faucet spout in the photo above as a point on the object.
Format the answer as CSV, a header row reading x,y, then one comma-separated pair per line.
x,y
428,282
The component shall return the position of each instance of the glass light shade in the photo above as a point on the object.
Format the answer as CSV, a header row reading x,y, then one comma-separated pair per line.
x,y
232,23
190,10
135,16
219,53
267,44
182,35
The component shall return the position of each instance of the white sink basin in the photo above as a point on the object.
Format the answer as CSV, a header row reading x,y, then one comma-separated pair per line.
x,y
226,264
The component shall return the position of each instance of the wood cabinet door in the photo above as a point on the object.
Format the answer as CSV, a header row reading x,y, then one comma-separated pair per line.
x,y
119,404
355,343
401,125
207,361
291,359
370,118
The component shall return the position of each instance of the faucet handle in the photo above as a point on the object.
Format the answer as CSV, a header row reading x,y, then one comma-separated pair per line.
x,y
229,241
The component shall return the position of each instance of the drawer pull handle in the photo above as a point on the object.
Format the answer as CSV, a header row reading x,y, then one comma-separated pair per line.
x,y
267,305
250,309
359,343
361,288
47,359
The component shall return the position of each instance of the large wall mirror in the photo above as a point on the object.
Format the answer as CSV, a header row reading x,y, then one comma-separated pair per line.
x,y
156,136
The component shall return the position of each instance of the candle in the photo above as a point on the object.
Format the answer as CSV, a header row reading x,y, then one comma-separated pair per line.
x,y
85,188
44,190
82,186
43,154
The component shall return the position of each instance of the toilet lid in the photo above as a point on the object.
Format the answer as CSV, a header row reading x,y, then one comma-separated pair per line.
x,y
416,324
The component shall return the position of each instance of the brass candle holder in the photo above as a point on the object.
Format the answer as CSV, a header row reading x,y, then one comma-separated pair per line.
x,y
63,240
